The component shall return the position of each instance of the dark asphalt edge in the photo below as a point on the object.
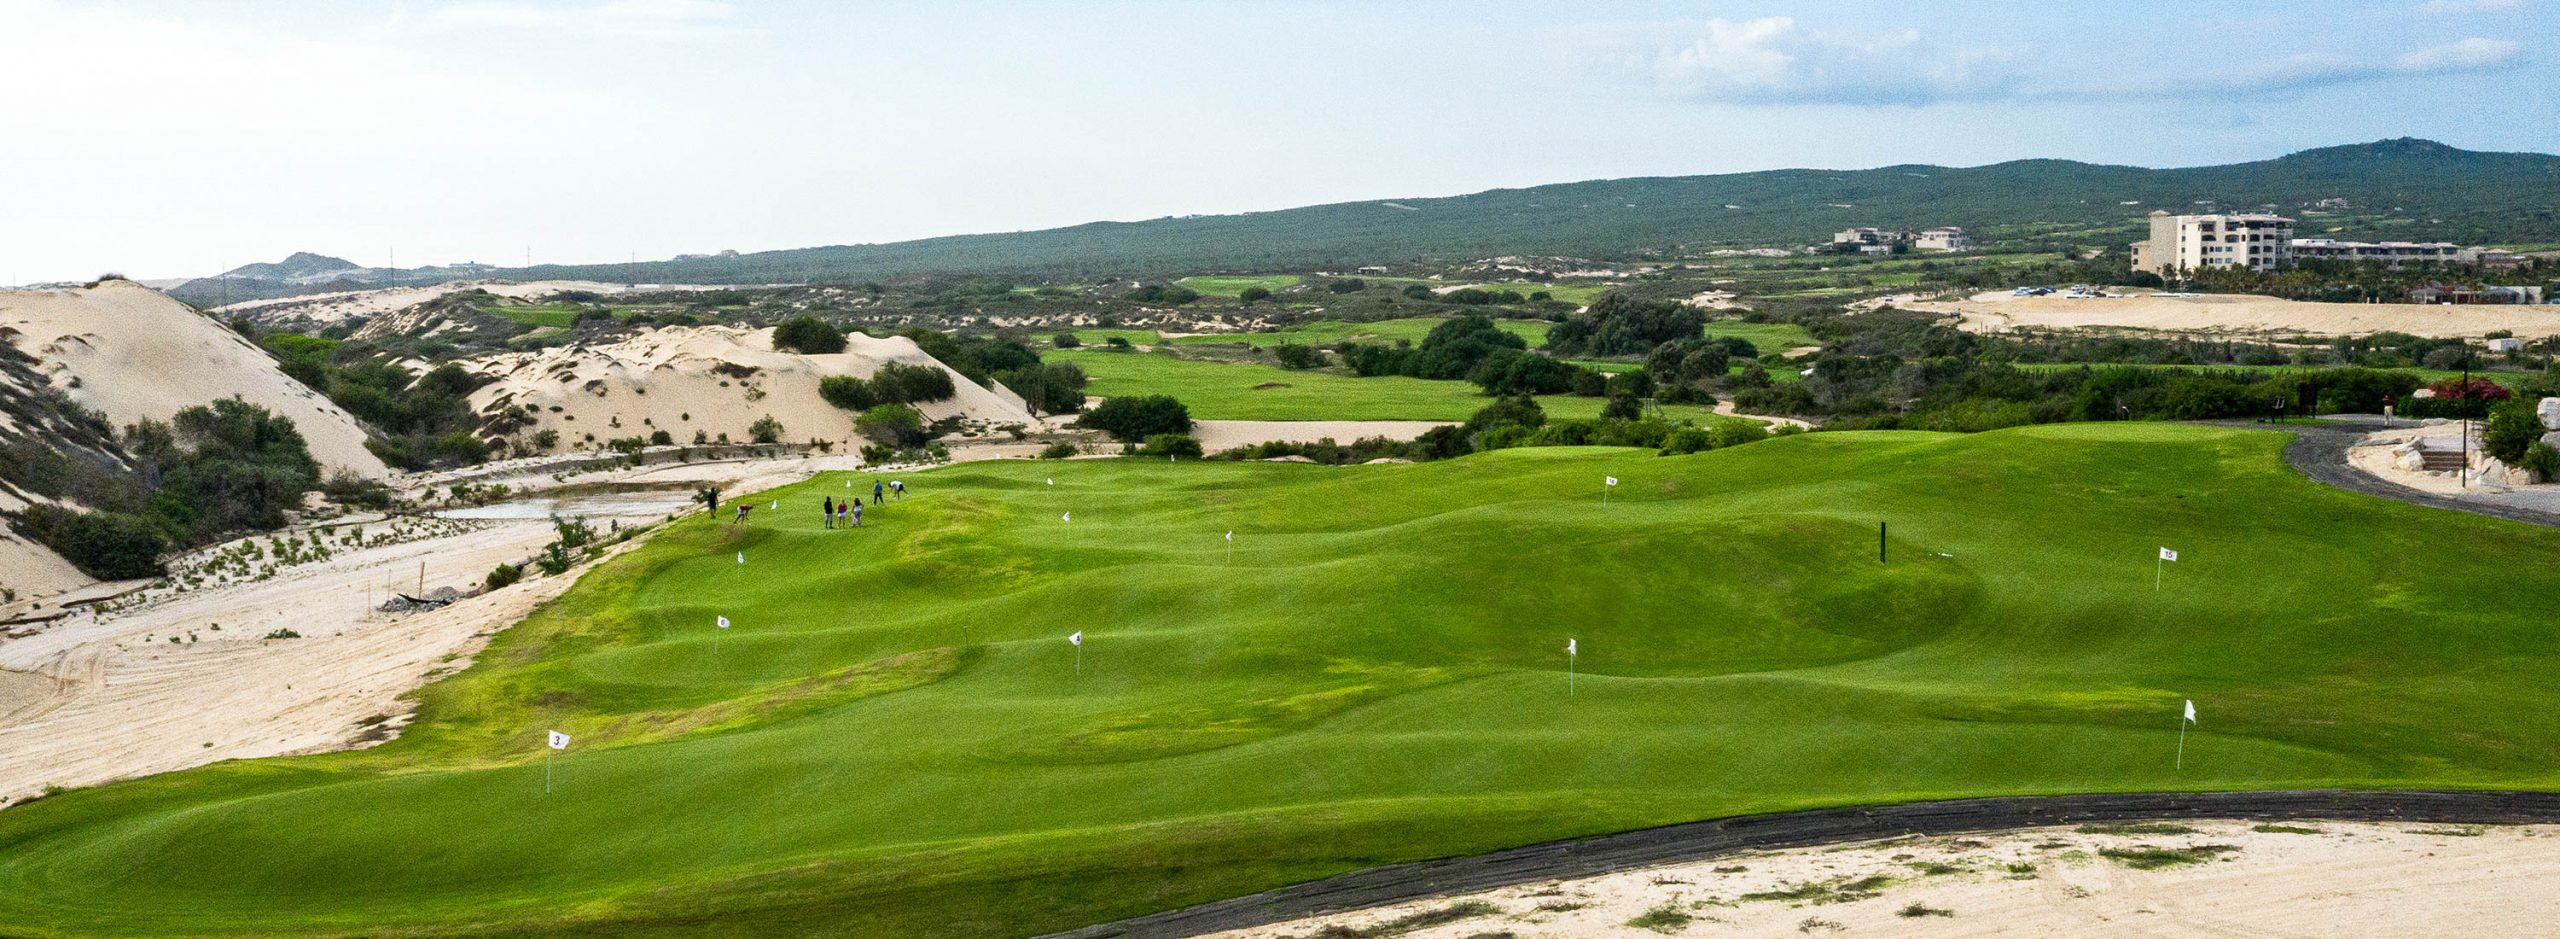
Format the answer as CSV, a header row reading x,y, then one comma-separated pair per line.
x,y
2319,453
1698,841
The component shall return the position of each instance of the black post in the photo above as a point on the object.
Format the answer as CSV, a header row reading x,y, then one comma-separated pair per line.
x,y
1879,542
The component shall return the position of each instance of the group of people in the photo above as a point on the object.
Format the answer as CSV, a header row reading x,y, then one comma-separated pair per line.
x,y
845,514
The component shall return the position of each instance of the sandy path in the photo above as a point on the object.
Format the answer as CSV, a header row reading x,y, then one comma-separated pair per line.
x,y
2227,314
1725,407
2365,879
124,701
1227,435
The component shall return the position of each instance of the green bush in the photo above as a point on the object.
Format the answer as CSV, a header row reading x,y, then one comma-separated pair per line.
x,y
502,576
2541,459
1255,294
847,392
2513,428
900,383
1058,451
893,425
1138,418
1294,356
1173,445
1688,440
104,545
808,335
765,430
1050,388
1065,341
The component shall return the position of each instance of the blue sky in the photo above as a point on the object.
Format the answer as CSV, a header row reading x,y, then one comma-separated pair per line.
x,y
170,138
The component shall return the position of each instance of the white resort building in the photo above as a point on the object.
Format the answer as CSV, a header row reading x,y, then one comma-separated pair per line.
x,y
2389,253
2195,242
1943,239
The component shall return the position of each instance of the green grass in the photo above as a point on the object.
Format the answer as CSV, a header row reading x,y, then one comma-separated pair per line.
x,y
2508,379
895,740
1251,392
1331,332
539,314
1768,337
1232,286
1576,294
1097,337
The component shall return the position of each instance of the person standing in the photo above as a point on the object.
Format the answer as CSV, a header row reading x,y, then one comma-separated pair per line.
x,y
857,513
827,512
844,514
875,492
712,496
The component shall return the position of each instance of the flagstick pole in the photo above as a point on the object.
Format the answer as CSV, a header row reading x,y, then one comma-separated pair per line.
x,y
2182,744
1079,660
1568,676
546,771
2159,569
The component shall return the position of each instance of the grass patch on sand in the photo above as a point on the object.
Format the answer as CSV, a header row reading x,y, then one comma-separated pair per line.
x,y
2150,858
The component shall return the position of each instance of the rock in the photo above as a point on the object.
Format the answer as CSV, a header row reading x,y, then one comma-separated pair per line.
x,y
2522,477
2549,410
2552,440
2410,460
2423,393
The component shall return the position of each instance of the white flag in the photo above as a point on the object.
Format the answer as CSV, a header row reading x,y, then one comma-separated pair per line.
x,y
559,741
1573,647
2191,711
1076,639
1613,480
777,504
1053,482
1231,536
1066,516
2168,555
742,557
724,622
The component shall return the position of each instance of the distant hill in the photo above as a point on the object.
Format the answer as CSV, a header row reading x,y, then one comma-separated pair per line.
x,y
2402,188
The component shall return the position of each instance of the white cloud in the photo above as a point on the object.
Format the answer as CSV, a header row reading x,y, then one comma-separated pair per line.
x,y
1775,61
658,20
2454,7
2469,55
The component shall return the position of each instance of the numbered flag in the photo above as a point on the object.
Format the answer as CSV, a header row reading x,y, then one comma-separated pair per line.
x,y
1573,647
1612,480
2168,555
559,741
724,622
1076,639
2191,711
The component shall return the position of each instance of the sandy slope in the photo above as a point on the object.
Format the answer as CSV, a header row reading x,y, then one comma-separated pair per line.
x,y
1227,435
713,379
1993,312
133,353
2359,879
33,570
327,308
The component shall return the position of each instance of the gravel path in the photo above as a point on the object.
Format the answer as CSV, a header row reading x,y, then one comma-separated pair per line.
x,y
2319,451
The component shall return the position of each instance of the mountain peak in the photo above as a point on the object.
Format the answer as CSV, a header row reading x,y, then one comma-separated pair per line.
x,y
2394,149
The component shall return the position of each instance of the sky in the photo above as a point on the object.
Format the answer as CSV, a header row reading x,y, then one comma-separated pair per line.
x,y
168,139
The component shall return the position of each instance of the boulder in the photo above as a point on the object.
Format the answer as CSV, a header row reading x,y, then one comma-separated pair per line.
x,y
2549,410
2409,460
2552,440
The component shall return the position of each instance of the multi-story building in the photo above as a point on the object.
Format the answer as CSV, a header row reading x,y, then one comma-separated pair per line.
x,y
2387,253
2196,242
1943,239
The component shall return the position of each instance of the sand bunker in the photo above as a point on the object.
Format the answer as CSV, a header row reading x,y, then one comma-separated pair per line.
x,y
708,381
2191,879
2242,315
133,353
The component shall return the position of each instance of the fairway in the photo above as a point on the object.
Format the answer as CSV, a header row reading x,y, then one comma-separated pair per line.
x,y
1332,332
1232,391
1234,285
896,739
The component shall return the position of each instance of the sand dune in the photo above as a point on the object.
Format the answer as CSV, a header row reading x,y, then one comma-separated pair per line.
x,y
326,308
2226,314
131,352
715,380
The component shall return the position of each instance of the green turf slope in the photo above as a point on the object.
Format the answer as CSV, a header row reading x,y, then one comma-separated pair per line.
x,y
895,739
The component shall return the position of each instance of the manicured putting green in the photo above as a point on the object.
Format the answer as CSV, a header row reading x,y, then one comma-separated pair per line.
x,y
896,739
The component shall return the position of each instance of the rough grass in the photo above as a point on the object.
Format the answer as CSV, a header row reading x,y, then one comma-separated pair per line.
x,y
894,739
2148,857
1334,332
2137,828
1253,392
1665,918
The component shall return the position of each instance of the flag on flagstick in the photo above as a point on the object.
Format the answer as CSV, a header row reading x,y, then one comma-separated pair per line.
x,y
1608,483
1076,639
1572,648
1612,480
1066,516
1231,537
559,741
2168,555
2160,568
2182,729
1053,481
724,622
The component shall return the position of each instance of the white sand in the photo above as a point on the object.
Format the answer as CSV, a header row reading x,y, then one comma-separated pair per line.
x,y
1227,435
715,379
327,308
33,570
2226,314
2348,879
133,353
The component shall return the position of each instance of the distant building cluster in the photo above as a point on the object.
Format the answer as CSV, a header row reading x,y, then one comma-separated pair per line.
x,y
2262,242
1880,241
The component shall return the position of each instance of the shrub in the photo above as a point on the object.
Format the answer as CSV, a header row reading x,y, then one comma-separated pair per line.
x,y
808,335
893,425
1254,294
661,438
2543,460
1688,440
1294,356
1139,417
104,545
900,383
1050,387
1173,445
1058,451
1065,341
847,392
2513,428
1736,434
765,430
502,576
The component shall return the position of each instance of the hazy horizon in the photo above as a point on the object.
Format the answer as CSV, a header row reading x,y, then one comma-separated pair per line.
x,y
177,142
